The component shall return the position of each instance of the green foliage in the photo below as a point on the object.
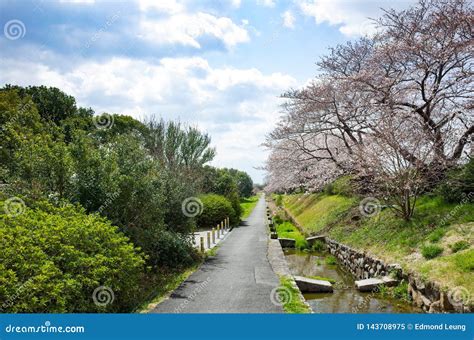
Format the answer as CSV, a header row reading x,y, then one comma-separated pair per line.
x,y
277,219
279,200
323,278
459,245
289,230
53,259
430,251
53,104
436,235
318,246
458,185
215,209
291,298
247,205
169,250
465,260
331,260
399,292
341,186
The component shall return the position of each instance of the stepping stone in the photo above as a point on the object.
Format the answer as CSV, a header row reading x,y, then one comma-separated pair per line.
x,y
307,285
287,242
369,285
312,239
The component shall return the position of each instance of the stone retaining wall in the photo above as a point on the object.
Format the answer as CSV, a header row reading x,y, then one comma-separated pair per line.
x,y
426,295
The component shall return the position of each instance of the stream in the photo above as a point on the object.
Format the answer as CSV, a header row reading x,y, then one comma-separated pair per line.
x,y
345,298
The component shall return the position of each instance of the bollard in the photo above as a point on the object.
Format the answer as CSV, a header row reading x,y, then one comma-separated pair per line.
x,y
202,244
222,227
208,240
218,232
213,235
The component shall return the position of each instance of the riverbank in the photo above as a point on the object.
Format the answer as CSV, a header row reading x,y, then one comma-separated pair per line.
x,y
436,225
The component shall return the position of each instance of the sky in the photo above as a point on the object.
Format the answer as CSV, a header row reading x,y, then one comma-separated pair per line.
x,y
218,65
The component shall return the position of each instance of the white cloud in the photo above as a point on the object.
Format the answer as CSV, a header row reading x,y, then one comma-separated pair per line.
x,y
236,3
352,17
288,19
165,6
236,106
266,3
186,29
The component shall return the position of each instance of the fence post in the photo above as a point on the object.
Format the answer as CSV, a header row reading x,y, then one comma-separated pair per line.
x,y
208,240
214,235
202,244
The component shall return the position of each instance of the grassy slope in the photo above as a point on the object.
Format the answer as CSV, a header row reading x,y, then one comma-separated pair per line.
x,y
392,239
247,205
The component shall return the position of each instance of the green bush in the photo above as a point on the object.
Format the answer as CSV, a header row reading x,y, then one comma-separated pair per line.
x,y
318,246
52,260
430,251
331,260
169,250
340,186
215,209
277,219
459,245
465,260
436,235
279,200
458,184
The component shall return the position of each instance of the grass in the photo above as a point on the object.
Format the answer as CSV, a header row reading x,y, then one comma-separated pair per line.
x,y
314,212
459,245
291,299
430,251
331,260
165,284
213,251
248,204
322,278
393,239
289,230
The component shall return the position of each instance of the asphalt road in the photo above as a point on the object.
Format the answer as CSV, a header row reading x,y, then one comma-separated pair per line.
x,y
239,279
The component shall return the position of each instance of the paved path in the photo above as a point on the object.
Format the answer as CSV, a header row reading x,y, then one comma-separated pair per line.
x,y
238,280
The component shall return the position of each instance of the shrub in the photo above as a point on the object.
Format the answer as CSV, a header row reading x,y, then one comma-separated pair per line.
x,y
318,246
53,259
170,250
330,260
279,200
436,235
459,245
215,209
465,260
341,186
431,251
458,184
277,219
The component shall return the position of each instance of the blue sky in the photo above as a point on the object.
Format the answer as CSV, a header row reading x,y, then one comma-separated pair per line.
x,y
218,65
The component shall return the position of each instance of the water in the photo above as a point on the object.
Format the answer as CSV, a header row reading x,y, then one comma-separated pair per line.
x,y
345,298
